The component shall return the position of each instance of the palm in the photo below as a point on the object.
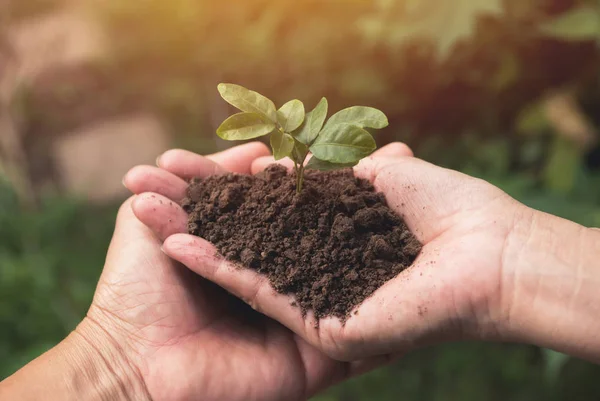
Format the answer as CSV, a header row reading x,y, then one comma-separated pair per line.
x,y
449,293
189,338
443,297
187,335
454,284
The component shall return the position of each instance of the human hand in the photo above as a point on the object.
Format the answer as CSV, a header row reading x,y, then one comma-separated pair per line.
x,y
158,331
459,280
185,337
474,279
491,269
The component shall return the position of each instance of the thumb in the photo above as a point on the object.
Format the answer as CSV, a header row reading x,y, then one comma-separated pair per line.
x,y
132,241
429,198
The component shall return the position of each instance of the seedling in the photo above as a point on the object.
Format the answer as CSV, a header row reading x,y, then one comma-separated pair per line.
x,y
340,142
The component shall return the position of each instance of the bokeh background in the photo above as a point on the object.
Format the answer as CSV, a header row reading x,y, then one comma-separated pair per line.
x,y
507,90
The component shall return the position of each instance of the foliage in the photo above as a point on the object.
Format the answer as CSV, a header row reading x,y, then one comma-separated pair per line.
x,y
50,261
171,55
429,74
577,24
340,143
461,83
47,281
428,65
444,24
472,372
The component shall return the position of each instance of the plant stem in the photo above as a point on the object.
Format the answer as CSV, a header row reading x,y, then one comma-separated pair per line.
x,y
296,170
300,175
300,178
299,168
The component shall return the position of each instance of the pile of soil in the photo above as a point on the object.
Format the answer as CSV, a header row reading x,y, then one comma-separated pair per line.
x,y
331,246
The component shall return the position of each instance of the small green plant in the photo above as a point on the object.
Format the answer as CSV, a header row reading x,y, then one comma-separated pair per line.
x,y
339,143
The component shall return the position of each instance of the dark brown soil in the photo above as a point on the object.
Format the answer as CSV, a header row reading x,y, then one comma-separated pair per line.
x,y
331,246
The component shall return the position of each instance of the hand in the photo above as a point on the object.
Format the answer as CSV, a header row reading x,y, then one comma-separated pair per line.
x,y
185,337
158,331
474,280
448,291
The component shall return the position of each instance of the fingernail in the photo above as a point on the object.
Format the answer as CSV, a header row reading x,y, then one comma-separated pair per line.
x,y
123,183
158,161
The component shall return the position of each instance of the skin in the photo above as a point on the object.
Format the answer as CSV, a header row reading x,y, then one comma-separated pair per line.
x,y
157,331
491,269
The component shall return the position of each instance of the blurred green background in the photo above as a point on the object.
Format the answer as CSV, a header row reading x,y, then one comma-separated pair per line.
x,y
504,90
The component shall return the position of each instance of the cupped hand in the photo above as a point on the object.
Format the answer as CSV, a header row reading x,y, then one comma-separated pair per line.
x,y
184,337
455,290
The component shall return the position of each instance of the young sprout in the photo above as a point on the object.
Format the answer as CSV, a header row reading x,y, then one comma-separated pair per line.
x,y
341,142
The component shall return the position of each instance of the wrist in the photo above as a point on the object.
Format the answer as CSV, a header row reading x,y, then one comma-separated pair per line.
x,y
550,278
101,368
86,366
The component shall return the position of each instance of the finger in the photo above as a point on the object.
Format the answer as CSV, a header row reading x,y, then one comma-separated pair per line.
x,y
262,163
321,371
347,342
394,149
153,179
410,186
429,198
239,158
126,222
201,257
131,240
188,165
161,215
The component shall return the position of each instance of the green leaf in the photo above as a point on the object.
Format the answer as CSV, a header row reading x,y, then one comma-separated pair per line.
x,y
581,23
360,116
555,361
242,126
532,120
318,164
300,151
291,115
313,123
282,144
563,164
248,101
343,143
444,23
